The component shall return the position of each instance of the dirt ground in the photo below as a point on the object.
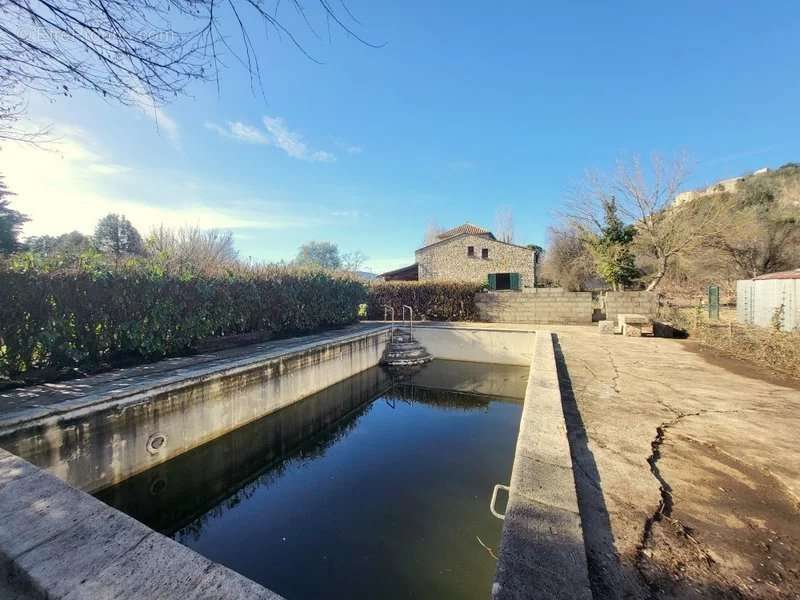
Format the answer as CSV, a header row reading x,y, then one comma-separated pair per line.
x,y
688,471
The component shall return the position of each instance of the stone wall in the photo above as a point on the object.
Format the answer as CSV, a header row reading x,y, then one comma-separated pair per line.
x,y
540,305
641,303
448,259
555,305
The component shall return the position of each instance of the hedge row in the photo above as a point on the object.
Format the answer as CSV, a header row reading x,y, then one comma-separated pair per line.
x,y
74,319
435,301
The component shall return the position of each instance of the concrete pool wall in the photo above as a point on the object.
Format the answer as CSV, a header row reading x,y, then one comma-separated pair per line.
x,y
474,343
542,539
105,437
81,548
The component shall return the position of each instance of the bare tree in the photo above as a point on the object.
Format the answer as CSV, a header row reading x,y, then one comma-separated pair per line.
x,y
567,262
432,232
201,250
645,197
757,242
353,261
504,224
136,51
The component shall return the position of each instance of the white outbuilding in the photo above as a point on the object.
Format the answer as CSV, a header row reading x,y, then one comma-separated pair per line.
x,y
765,299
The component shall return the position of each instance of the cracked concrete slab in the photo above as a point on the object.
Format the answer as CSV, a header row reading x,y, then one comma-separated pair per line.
x,y
726,457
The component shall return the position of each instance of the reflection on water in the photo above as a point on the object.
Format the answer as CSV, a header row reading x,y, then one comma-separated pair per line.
x,y
369,489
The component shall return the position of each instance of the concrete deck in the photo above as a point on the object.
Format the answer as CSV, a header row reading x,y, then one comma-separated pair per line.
x,y
21,405
688,468
110,554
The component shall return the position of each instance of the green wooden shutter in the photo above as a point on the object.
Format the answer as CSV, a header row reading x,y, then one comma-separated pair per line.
x,y
492,281
514,281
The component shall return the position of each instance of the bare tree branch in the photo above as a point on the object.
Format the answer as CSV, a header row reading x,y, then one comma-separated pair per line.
x,y
125,50
504,225
645,197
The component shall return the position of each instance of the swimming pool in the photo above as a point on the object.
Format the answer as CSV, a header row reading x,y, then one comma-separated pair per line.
x,y
373,487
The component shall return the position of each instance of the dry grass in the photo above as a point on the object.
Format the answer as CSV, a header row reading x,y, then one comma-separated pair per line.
x,y
777,350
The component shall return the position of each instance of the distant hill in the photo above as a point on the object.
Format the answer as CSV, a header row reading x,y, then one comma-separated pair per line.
x,y
757,230
366,275
775,188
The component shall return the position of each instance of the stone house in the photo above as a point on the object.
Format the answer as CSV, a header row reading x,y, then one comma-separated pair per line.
x,y
470,253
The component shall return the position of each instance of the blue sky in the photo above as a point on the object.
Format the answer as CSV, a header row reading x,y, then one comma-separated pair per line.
x,y
468,107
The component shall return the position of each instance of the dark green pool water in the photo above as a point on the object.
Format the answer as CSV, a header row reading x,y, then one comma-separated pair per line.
x,y
369,489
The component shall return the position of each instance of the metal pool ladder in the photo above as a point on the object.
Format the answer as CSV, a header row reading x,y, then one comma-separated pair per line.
x,y
411,319
389,310
492,502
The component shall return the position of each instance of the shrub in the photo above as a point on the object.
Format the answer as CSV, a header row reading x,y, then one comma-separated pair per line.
x,y
434,301
76,318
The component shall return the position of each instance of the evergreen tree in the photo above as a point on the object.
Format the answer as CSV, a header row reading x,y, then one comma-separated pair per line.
x,y
611,249
115,235
10,222
323,255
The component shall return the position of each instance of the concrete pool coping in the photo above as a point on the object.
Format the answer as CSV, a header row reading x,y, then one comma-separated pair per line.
x,y
542,541
28,404
111,555
542,552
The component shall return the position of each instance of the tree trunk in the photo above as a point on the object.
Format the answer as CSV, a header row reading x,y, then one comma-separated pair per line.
x,y
662,270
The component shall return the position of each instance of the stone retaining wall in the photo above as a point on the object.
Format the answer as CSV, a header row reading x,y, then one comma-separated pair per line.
x,y
540,305
640,303
558,306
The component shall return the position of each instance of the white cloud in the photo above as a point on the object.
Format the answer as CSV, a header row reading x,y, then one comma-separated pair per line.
x,y
62,188
277,134
240,131
354,149
247,133
292,143
156,114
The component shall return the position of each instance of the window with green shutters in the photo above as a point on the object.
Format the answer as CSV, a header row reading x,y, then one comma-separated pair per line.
x,y
504,281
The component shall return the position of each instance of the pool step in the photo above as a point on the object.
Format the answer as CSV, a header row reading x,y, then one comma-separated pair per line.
x,y
404,351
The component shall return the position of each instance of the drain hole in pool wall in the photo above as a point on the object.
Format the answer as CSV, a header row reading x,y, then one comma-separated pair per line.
x,y
157,486
156,443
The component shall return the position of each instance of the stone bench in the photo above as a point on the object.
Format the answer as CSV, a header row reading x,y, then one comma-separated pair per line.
x,y
634,325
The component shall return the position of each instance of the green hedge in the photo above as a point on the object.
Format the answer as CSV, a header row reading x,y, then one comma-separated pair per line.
x,y
434,301
68,319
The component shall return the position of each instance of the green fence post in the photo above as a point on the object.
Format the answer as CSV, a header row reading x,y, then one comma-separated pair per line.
x,y
713,303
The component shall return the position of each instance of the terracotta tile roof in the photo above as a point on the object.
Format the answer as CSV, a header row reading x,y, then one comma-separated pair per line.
x,y
465,228
780,275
